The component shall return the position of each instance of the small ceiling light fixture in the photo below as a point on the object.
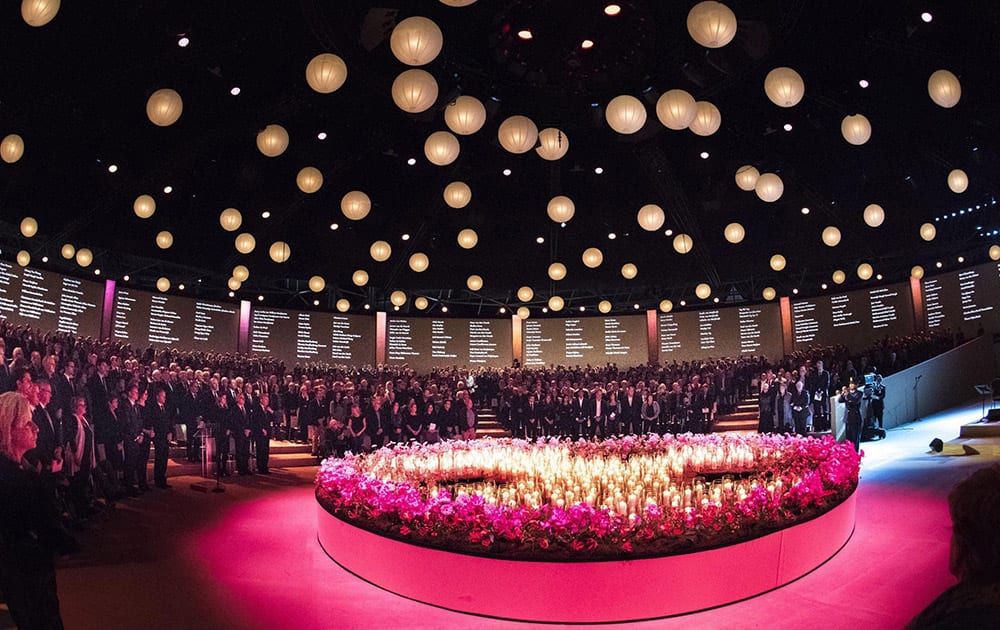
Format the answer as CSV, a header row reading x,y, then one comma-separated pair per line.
x,y
97,272
926,17
823,286
315,302
635,306
502,310
334,226
587,44
168,189
180,287
545,309
795,291
669,232
612,10
183,41
583,308
368,307
231,294
612,236
525,34
939,264
704,155
540,240
863,83
113,168
683,302
322,136
125,278
788,127
444,309
805,210
45,259
716,300
878,276
260,298
411,161
265,214
235,91
506,172
405,237
961,259
598,170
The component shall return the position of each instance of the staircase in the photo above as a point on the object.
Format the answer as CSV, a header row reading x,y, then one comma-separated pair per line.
x,y
744,418
283,455
488,426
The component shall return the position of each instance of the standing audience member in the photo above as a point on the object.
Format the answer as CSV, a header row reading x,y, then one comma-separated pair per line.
x,y
851,397
262,422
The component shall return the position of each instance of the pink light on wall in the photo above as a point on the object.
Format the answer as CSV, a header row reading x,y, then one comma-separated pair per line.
x,y
107,314
243,341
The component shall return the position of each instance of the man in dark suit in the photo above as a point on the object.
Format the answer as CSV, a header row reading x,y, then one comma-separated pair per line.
x,y
631,404
49,444
239,425
377,420
261,424
579,414
598,415
63,391
134,441
160,428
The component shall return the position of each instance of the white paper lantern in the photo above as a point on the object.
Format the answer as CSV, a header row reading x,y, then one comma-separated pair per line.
x,y
29,227
651,217
604,306
144,206
707,119
917,272
23,258
525,294
458,3
592,257
309,180
711,24
839,277
421,303
746,177
163,284
360,277
343,305
164,107
629,271
279,251
164,240
457,194
865,271
944,88
928,231
230,219
524,312
467,238
556,303
272,141
465,115
769,187
874,215
380,251
517,134
994,252
666,306
958,181
325,73
414,91
778,262
84,257
856,129
419,262
355,205
441,148
39,12
734,233
241,273
398,298
769,293
557,271
625,114
683,243
831,236
703,291
317,284
553,144
67,251
561,209
416,41
234,284
11,148
784,87
474,282
676,109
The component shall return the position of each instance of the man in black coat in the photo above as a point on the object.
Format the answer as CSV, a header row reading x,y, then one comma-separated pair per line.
x,y
262,420
160,428
851,397
134,442
239,425
631,404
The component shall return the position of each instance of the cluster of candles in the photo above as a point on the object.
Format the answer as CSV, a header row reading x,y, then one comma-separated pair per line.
x,y
506,474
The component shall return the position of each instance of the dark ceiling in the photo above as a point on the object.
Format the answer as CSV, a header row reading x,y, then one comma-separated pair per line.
x,y
75,90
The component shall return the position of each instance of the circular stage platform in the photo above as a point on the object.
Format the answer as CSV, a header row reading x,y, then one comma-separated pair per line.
x,y
588,592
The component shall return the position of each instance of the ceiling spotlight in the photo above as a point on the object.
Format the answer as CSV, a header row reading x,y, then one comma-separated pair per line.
x,y
669,232
321,135
405,237
260,298
863,83
587,44
926,17
235,91
368,307
411,161
183,42
612,9
823,286
635,306
113,168
395,308
502,310
315,302
788,127
612,236
683,302
45,259
334,226
125,278
878,276
795,291
540,240
716,300
506,172
563,224
524,34
231,294
97,272
704,155
805,210
265,214
545,309
168,189
598,170
939,264
180,287
444,309
961,259
583,308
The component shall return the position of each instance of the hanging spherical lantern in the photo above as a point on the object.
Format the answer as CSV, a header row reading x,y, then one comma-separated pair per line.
x,y
343,305
458,3
441,148
928,231
561,209
856,129
556,303
604,306
144,206
164,107
414,91
557,271
784,87
592,257
917,272
309,180
525,294
517,134
416,41
831,236
84,257
272,140
474,282
651,217
279,251
359,278
625,114
839,277
419,262
29,227
666,306
325,73
465,115
230,219
683,243
421,303
865,271
457,195
874,215
164,240
553,144
355,205
734,233
12,148
768,293
241,273
245,243
234,284
523,312
769,187
944,88
163,285
778,262
707,119
711,24
67,251
958,181
23,258
994,252
746,177
703,291
467,238
380,251
316,284
629,271
39,12
398,298
676,109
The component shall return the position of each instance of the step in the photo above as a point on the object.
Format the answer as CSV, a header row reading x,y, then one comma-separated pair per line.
x,y
735,425
180,452
180,467
740,415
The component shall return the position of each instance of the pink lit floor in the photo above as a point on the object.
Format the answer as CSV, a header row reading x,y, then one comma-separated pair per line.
x,y
249,558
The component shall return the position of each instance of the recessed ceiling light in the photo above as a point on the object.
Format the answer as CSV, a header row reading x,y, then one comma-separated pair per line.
x,y
805,210
231,294
583,308
961,259
863,83
598,170
444,309
125,278
97,272
183,41
683,303
540,240
926,17
704,155
168,189
823,286
545,309
45,259
260,298
321,135
715,299
506,172
502,310
368,307
113,168
612,9
411,161
265,214
635,306
939,264
612,236
235,91
315,302
563,224
334,226
795,291
788,127
669,232
587,44
180,287
405,237
524,33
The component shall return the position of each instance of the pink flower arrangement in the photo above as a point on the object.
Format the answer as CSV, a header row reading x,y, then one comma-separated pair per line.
x,y
434,495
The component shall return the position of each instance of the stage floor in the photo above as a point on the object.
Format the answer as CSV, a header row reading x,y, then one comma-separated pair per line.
x,y
249,558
